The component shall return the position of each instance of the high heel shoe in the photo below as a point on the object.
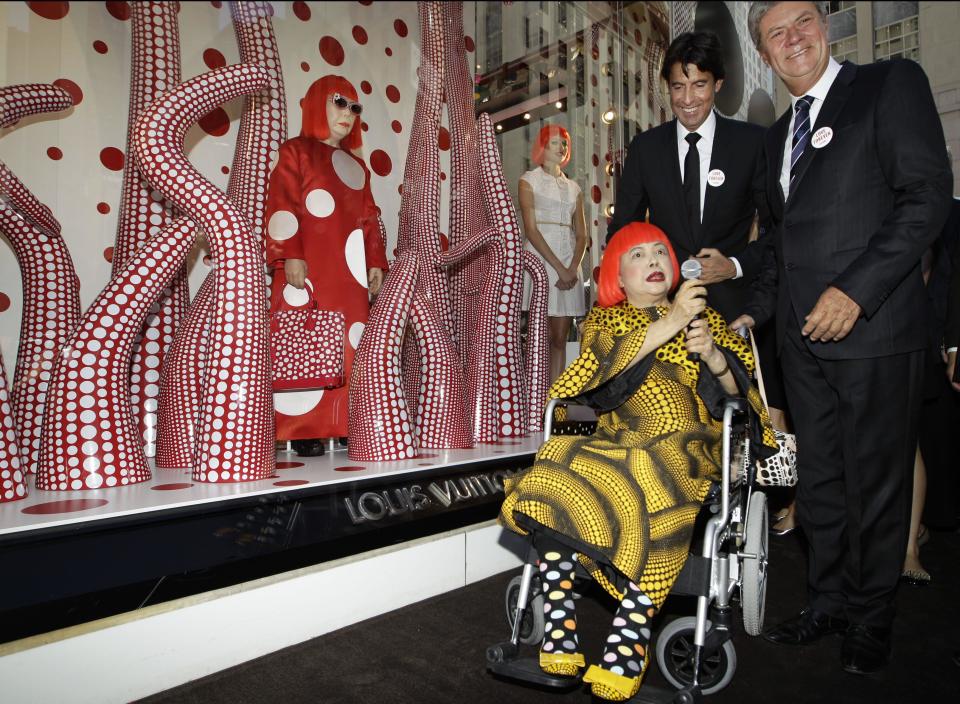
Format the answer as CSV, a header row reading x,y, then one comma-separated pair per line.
x,y
563,664
611,686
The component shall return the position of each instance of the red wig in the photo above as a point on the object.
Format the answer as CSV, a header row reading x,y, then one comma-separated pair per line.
x,y
314,110
609,291
546,133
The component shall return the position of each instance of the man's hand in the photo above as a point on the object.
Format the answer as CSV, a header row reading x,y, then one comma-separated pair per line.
x,y
951,365
716,267
832,318
744,320
295,270
374,280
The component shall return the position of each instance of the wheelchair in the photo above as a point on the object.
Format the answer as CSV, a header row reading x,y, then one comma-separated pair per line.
x,y
696,654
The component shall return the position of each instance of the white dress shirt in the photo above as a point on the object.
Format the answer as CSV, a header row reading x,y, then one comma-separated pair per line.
x,y
819,94
705,149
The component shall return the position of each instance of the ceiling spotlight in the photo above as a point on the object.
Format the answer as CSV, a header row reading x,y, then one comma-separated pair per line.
x,y
609,116
609,169
526,116
608,211
499,128
607,68
559,105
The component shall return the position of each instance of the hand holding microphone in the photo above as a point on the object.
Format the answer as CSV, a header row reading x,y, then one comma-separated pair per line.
x,y
691,297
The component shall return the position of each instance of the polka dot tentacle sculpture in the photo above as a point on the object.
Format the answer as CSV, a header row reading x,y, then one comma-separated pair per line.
x,y
155,69
536,356
263,127
90,437
51,301
13,481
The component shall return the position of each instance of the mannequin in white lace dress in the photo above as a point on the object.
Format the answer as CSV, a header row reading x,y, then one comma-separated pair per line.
x,y
552,209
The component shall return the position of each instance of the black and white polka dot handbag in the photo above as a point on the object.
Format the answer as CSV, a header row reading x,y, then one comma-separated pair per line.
x,y
780,469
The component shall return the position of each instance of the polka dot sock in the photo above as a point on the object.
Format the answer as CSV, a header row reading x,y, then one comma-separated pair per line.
x,y
560,632
625,653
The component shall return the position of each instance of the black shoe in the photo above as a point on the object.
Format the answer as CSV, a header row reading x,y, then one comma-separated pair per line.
x,y
308,448
809,626
865,650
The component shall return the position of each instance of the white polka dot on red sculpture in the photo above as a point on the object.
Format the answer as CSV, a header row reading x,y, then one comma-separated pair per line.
x,y
331,51
393,94
112,158
50,10
213,59
72,88
54,153
100,47
119,10
301,10
359,35
216,123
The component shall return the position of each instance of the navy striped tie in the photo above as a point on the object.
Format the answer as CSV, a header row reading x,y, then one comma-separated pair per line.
x,y
801,132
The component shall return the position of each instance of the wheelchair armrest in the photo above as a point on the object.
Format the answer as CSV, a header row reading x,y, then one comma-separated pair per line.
x,y
737,403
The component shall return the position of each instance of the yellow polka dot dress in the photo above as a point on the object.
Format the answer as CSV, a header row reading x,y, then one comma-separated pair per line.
x,y
627,496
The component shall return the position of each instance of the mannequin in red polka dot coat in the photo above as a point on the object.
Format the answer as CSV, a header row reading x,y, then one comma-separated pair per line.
x,y
325,239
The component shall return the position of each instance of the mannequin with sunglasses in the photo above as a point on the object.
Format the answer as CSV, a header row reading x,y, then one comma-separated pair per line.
x,y
325,244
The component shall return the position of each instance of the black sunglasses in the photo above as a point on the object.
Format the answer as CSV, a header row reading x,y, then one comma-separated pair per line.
x,y
341,102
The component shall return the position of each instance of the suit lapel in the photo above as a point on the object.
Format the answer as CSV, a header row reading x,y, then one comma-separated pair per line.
x,y
776,144
836,99
672,156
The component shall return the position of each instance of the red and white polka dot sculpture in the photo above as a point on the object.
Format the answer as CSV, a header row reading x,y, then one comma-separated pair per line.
x,y
90,438
144,212
13,479
263,127
51,302
536,354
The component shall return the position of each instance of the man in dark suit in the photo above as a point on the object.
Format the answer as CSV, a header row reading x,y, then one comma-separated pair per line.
x,y
698,175
858,187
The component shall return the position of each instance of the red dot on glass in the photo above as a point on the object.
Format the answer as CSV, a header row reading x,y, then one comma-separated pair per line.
x,y
103,208
301,10
469,44
304,66
213,59
50,10
331,51
4,302
393,94
443,141
364,126
595,194
596,160
388,51
443,176
224,169
100,47
396,126
400,191
366,3
108,254
289,465
366,87
359,34
171,487
400,27
291,482
119,10
349,468
444,242
596,269
63,506
54,153
593,81
72,88
380,162
207,260
216,3
215,123
112,158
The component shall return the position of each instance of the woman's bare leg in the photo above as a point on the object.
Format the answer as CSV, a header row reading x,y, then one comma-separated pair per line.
x,y
559,330
911,562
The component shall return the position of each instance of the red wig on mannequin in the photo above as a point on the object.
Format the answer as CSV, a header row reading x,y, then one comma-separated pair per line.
x,y
314,110
546,132
609,291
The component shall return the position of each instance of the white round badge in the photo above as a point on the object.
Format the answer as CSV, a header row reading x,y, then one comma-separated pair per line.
x,y
716,178
821,137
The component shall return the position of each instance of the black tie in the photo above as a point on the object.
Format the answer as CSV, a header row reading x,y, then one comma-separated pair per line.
x,y
691,181
801,132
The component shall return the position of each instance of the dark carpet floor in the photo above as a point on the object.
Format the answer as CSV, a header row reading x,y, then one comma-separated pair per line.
x,y
434,651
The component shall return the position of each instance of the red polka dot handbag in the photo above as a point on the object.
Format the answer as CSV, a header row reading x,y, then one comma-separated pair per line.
x,y
306,348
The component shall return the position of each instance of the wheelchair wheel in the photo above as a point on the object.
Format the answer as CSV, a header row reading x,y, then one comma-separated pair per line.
x,y
532,626
753,586
675,651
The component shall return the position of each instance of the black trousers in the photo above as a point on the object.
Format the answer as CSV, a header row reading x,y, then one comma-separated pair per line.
x,y
856,425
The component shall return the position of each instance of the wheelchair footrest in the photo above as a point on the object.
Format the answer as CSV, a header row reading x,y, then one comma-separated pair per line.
x,y
501,661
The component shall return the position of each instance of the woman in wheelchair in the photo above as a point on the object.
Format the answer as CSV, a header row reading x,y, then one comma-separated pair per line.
x,y
623,501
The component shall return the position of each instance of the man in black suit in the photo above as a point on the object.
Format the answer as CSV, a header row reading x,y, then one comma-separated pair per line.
x,y
698,175
858,186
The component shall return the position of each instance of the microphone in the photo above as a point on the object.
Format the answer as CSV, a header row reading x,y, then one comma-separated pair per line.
x,y
691,269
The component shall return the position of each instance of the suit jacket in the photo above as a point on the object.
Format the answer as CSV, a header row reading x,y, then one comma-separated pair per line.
x,y
651,179
861,211
945,296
